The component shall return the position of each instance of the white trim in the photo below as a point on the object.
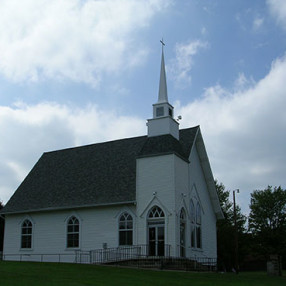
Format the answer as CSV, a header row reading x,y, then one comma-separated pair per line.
x,y
133,226
79,232
197,197
183,204
32,235
160,204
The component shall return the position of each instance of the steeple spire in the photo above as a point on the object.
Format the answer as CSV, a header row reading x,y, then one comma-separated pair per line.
x,y
163,94
163,121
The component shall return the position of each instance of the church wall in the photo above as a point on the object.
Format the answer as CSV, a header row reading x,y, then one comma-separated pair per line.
x,y
155,186
97,226
199,191
182,190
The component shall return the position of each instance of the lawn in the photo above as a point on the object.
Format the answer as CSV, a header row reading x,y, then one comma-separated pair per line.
x,y
54,274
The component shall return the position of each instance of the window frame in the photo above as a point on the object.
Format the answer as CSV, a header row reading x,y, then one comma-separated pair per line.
x,y
27,234
160,111
125,234
75,232
196,225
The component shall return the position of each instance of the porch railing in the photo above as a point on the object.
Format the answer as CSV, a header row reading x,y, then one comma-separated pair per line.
x,y
122,253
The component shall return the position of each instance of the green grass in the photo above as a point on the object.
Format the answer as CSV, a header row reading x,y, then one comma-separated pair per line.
x,y
53,274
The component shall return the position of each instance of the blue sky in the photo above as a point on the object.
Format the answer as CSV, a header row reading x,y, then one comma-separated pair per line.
x,y
78,72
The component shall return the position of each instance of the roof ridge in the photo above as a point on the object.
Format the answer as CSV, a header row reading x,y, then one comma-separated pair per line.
x,y
93,144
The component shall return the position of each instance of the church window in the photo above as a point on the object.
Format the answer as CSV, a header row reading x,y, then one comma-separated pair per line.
x,y
125,229
73,232
192,211
156,212
198,226
170,112
193,230
159,111
26,234
182,233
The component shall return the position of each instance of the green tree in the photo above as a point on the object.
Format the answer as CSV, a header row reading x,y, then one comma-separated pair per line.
x,y
267,220
225,230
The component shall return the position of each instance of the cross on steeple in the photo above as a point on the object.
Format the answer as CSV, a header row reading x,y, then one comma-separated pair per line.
x,y
163,44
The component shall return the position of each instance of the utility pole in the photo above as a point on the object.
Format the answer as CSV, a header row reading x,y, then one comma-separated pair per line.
x,y
235,233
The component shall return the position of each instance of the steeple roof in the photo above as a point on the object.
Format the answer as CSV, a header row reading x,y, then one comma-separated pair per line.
x,y
163,94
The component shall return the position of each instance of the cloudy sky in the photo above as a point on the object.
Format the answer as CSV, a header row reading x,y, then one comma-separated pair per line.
x,y
76,72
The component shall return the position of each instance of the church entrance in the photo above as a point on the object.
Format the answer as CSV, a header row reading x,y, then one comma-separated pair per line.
x,y
156,240
156,232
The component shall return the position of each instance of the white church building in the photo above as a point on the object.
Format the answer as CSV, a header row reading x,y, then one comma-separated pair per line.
x,y
151,195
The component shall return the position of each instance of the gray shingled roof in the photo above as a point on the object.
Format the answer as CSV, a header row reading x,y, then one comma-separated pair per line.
x,y
92,175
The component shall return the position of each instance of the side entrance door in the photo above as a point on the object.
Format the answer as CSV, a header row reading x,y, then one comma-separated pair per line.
x,y
157,240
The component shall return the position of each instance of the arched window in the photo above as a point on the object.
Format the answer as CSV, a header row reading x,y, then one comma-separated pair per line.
x,y
198,214
192,211
156,212
198,226
26,234
73,232
193,220
182,233
125,229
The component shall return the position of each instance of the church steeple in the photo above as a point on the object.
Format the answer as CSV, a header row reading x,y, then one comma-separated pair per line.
x,y
163,94
163,121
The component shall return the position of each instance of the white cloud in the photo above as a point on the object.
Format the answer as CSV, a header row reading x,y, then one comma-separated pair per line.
x,y
179,68
257,23
29,130
243,83
72,39
278,10
244,131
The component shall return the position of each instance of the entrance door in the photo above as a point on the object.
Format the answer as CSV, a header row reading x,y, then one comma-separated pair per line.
x,y
156,240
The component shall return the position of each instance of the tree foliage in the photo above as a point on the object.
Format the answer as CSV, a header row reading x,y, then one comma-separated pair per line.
x,y
267,220
226,230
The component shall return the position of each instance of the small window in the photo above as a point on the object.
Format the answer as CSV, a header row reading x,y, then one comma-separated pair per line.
x,y
170,112
159,111
125,229
26,234
73,232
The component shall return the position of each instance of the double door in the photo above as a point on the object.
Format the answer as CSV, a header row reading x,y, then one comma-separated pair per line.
x,y
156,239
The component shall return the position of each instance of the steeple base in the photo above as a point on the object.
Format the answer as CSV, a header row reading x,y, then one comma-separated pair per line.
x,y
162,126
